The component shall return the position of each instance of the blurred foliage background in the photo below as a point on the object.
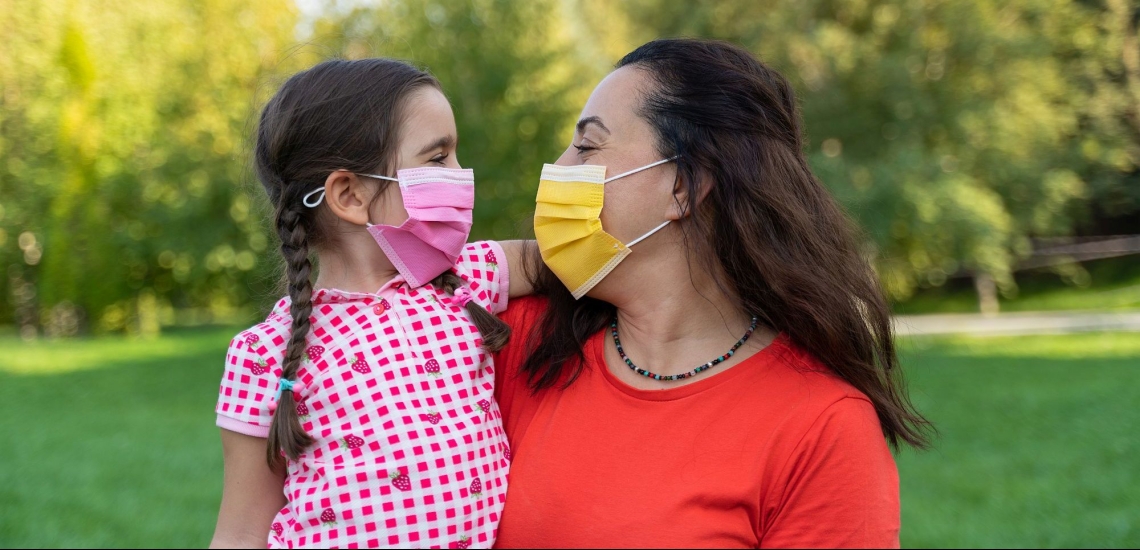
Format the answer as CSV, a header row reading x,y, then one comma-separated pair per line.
x,y
957,133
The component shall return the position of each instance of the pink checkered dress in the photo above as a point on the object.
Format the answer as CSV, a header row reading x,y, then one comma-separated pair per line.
x,y
398,393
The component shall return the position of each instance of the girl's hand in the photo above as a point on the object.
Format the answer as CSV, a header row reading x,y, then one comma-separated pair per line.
x,y
252,493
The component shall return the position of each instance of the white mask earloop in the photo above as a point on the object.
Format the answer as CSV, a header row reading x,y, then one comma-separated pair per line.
x,y
634,171
646,167
647,235
308,200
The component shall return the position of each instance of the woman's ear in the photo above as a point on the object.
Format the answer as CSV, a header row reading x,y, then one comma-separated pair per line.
x,y
683,190
348,196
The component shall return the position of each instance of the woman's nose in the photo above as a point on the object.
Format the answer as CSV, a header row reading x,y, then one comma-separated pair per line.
x,y
568,158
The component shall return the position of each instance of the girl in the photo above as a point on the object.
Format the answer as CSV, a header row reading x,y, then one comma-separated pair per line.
x,y
374,393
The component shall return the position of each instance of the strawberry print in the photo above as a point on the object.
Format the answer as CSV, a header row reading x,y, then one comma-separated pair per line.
x,y
401,481
314,353
464,542
507,453
361,366
251,339
328,517
260,367
302,410
431,417
490,259
381,307
485,405
277,528
432,368
352,442
476,488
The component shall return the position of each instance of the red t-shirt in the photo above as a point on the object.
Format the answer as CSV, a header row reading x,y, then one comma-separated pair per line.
x,y
773,452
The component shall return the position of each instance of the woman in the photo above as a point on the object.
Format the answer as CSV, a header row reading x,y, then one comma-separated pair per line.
x,y
630,423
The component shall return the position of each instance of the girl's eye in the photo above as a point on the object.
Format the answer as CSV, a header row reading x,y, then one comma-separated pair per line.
x,y
439,159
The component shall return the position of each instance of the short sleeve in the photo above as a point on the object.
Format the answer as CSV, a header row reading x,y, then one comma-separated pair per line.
x,y
840,485
483,266
249,382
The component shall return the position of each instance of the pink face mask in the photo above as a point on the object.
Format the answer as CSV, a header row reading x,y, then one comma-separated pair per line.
x,y
439,203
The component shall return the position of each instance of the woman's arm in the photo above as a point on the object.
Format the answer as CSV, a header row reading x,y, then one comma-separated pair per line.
x,y
518,253
252,493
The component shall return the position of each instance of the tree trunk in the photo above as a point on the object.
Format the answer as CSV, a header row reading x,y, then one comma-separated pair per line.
x,y
987,294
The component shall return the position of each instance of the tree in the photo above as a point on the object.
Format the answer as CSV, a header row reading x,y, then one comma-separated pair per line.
x,y
123,134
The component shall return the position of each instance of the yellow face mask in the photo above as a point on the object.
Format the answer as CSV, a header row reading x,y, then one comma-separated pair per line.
x,y
568,227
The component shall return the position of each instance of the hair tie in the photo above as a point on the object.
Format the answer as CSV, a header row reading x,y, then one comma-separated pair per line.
x,y
283,384
461,297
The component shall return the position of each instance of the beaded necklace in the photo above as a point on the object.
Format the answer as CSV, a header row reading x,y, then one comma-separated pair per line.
x,y
682,376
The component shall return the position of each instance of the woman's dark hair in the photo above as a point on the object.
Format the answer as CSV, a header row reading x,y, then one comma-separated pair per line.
x,y
338,115
783,247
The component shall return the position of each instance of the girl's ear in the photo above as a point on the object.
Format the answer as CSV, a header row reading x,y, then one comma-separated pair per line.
x,y
679,207
348,196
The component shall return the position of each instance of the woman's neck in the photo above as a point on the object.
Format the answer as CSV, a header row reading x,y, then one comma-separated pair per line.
x,y
672,332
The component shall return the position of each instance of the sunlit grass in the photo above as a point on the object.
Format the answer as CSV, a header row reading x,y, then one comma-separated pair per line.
x,y
112,442
1086,345
40,357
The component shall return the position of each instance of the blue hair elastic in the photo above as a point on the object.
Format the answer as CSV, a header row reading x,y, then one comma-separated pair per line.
x,y
283,385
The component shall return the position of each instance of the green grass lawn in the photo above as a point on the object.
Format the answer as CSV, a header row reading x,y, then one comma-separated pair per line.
x,y
112,443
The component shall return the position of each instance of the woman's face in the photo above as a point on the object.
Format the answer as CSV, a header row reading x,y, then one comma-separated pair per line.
x,y
611,133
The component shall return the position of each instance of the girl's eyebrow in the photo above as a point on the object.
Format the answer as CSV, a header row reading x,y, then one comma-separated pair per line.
x,y
445,142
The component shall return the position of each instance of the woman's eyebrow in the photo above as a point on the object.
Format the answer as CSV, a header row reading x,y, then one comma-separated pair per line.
x,y
445,142
591,120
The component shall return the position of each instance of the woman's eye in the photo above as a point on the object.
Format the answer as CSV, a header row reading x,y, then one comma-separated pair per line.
x,y
583,148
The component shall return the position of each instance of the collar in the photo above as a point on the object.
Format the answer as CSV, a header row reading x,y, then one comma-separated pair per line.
x,y
322,296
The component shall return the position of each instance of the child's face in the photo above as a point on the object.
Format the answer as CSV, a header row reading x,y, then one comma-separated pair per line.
x,y
427,138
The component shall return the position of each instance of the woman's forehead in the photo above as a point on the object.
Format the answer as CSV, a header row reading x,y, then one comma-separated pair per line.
x,y
616,99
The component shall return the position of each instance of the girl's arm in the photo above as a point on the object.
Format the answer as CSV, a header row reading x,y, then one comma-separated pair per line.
x,y
252,493
518,254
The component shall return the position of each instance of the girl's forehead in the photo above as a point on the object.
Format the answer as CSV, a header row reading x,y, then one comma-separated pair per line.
x,y
428,119
428,105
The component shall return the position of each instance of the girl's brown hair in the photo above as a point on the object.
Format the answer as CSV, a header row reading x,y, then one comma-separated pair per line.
x,y
338,115
781,244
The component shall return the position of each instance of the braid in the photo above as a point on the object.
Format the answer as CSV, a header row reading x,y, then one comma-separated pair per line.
x,y
495,332
286,434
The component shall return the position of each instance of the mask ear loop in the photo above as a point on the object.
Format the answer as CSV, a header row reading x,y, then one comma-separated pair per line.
x,y
634,171
308,200
370,224
647,235
646,167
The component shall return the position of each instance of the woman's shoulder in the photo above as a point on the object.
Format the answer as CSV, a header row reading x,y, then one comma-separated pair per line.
x,y
805,388
796,364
